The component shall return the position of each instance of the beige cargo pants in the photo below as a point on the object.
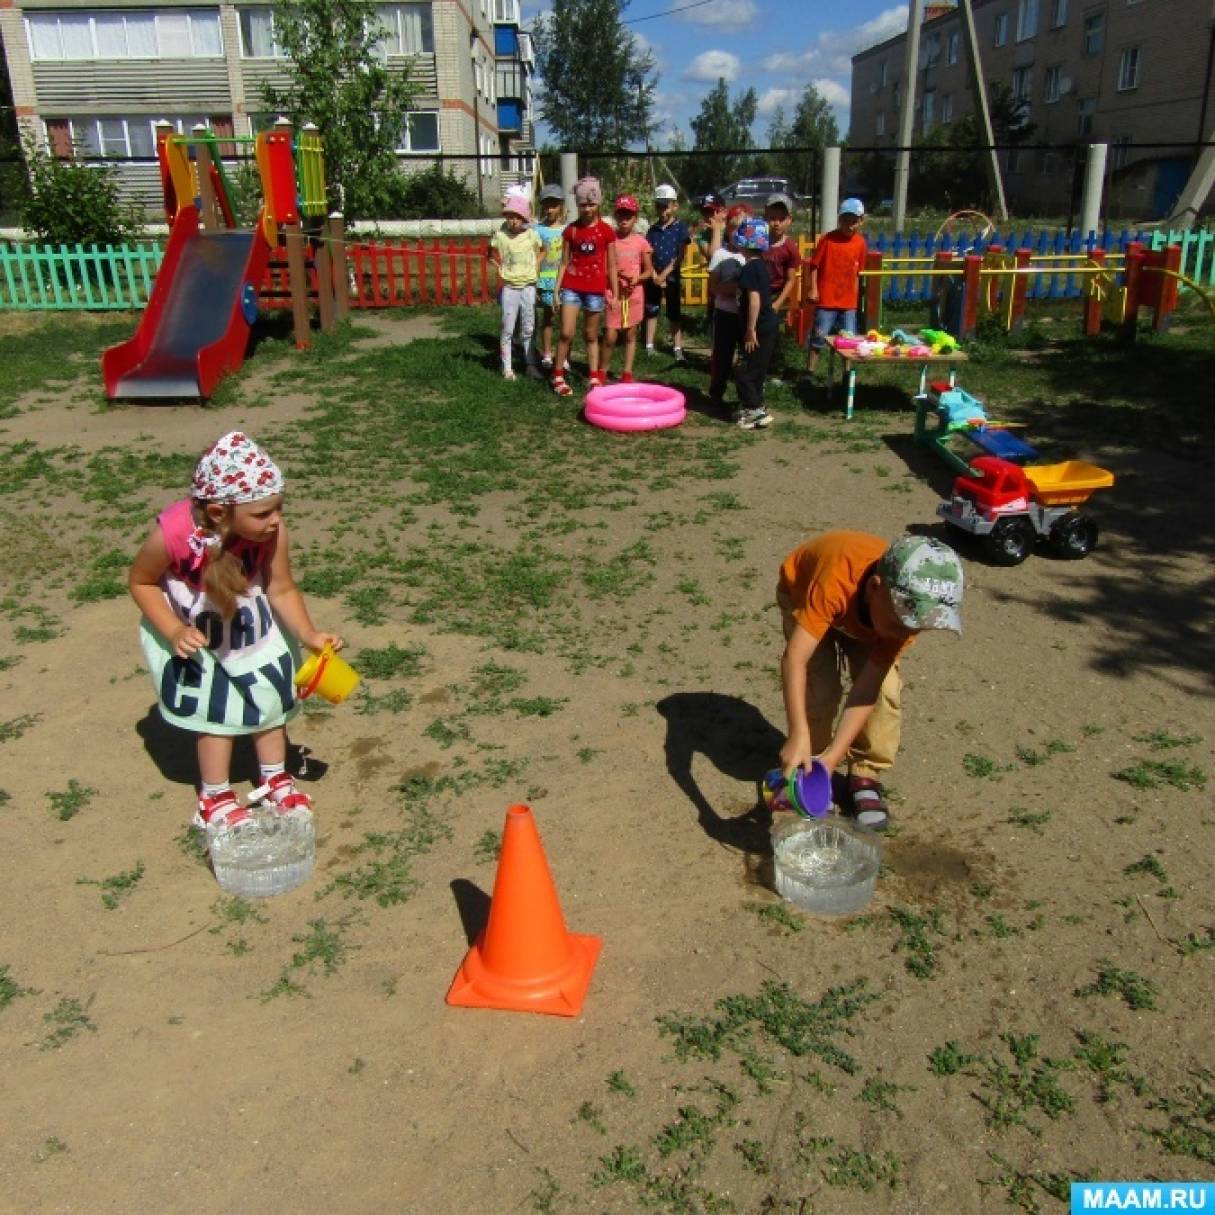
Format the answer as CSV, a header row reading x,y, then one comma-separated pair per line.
x,y
875,747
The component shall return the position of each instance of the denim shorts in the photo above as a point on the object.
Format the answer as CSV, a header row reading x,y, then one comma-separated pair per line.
x,y
830,320
583,299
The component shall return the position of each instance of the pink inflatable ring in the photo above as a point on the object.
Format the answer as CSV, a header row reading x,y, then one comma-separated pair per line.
x,y
635,406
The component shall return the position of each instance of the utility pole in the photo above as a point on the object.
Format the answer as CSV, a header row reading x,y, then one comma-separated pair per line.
x,y
991,158
902,164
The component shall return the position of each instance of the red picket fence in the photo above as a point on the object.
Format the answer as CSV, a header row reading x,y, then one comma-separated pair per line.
x,y
435,273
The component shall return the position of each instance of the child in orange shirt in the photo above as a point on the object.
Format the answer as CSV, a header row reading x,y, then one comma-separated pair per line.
x,y
850,601
834,282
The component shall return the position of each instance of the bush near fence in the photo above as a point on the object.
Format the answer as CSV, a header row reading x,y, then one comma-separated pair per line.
x,y
455,271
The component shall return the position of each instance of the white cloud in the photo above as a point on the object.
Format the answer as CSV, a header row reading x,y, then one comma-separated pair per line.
x,y
771,98
833,93
712,65
830,54
734,13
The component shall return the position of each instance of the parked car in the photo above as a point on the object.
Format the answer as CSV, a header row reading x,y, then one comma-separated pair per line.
x,y
755,192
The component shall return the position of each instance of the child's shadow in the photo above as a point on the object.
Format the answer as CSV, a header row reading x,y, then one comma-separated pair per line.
x,y
175,755
739,741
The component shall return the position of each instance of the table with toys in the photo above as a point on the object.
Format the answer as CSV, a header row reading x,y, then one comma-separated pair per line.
x,y
922,349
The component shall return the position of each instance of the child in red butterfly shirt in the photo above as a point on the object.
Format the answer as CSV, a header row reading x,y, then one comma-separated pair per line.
x,y
587,274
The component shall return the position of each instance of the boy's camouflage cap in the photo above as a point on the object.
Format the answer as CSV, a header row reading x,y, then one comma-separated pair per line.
x,y
925,581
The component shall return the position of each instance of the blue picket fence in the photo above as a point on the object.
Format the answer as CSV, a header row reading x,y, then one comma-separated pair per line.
x,y
1046,285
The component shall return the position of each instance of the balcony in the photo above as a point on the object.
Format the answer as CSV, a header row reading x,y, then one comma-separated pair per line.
x,y
510,117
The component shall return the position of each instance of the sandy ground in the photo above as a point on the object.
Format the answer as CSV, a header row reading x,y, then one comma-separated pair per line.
x,y
370,1094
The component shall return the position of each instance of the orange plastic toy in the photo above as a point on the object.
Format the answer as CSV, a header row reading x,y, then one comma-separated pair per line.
x,y
525,960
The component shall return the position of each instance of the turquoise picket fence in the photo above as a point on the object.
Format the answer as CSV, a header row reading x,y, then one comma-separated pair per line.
x,y
38,278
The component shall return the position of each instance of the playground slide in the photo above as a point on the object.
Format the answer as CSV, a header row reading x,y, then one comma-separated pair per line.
x,y
195,327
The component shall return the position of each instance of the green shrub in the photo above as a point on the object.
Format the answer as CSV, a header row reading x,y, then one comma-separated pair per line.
x,y
71,203
436,194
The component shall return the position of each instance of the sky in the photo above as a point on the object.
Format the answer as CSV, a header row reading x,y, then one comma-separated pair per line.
x,y
776,47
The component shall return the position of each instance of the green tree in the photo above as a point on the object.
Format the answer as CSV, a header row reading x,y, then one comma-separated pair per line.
x,y
340,81
598,81
721,125
813,126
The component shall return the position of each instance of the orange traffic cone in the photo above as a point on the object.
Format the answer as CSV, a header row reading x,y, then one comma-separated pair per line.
x,y
524,960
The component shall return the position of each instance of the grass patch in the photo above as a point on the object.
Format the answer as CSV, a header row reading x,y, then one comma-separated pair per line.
x,y
778,915
117,886
487,848
67,1020
391,662
16,727
1153,773
1133,989
983,767
917,940
776,1016
72,800
323,951
1189,1129
10,989
1020,817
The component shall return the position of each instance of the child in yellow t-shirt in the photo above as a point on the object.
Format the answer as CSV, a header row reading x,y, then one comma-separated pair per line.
x,y
513,252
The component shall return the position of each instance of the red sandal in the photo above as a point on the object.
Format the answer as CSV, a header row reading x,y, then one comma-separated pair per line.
x,y
869,808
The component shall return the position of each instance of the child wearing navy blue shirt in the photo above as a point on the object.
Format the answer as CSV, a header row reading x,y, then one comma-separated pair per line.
x,y
760,324
668,237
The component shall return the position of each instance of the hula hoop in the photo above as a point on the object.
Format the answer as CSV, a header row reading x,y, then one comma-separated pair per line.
x,y
626,407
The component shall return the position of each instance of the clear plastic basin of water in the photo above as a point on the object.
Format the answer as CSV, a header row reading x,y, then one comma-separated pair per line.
x,y
827,868
264,856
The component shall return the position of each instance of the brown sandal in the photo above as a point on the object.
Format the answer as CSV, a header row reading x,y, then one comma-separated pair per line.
x,y
869,808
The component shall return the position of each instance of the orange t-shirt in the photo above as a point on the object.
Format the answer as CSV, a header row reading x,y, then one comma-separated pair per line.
x,y
839,260
823,579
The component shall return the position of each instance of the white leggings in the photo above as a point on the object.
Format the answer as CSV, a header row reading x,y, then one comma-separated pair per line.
x,y
518,307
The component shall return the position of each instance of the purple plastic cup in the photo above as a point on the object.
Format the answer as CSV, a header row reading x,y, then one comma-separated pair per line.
x,y
811,789
807,791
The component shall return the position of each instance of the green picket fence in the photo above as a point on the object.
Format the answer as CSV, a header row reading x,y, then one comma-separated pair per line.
x,y
1197,253
95,277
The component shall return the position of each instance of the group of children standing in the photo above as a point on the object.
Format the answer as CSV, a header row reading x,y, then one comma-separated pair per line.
x,y
617,279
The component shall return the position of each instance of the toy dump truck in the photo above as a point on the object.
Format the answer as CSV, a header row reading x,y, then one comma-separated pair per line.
x,y
1010,508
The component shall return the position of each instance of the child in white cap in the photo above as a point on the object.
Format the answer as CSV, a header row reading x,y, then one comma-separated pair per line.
x,y
514,252
213,580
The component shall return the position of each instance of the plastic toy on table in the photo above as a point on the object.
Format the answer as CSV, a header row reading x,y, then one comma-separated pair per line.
x,y
1009,508
939,340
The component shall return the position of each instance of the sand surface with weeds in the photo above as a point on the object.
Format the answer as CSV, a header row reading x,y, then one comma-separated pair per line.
x,y
582,622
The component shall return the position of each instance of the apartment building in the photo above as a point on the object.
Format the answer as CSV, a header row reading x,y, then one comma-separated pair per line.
x,y
1121,72
92,77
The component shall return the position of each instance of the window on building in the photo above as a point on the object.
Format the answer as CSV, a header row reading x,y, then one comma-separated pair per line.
x,y
506,11
1027,19
879,123
1058,14
407,29
897,93
1050,85
882,74
179,33
487,155
1128,68
953,47
947,109
1120,151
421,132
1086,107
1094,33
257,39
930,110
1022,83
932,49
1001,29
125,137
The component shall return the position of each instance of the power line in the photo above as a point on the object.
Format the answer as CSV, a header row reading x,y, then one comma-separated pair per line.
x,y
667,12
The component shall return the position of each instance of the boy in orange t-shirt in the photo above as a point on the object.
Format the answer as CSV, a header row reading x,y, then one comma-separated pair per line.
x,y
834,281
849,600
